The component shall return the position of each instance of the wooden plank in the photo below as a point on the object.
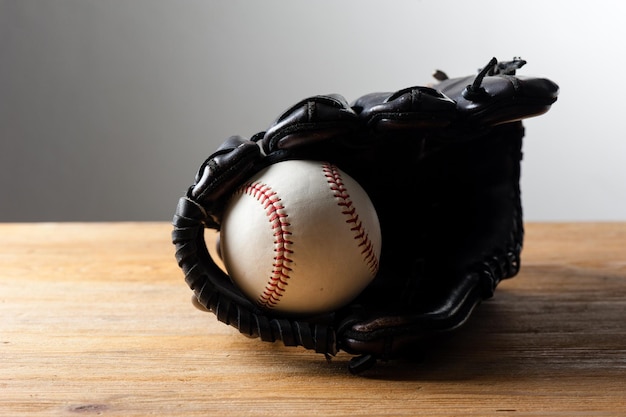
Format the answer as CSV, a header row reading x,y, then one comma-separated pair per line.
x,y
96,320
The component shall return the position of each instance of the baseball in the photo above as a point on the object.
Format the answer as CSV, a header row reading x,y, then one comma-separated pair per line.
x,y
300,237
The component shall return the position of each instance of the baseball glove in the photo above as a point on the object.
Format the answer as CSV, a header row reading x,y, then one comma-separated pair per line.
x,y
448,154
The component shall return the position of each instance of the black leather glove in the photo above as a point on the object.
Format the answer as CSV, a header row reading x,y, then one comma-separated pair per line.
x,y
447,154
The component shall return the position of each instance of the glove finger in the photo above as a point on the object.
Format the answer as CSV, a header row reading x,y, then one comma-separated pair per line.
x,y
220,174
496,95
230,164
405,110
310,121
387,334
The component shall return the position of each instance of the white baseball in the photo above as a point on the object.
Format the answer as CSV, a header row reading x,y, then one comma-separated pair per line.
x,y
301,237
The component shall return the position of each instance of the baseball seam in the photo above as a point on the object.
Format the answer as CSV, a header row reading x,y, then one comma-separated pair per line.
x,y
277,217
333,177
275,212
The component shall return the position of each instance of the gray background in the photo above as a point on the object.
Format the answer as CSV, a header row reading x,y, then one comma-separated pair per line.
x,y
108,107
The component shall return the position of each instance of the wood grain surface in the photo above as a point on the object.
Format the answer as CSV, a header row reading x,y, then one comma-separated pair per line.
x,y
97,320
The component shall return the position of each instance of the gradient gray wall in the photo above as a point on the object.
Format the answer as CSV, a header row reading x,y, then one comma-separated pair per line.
x,y
108,107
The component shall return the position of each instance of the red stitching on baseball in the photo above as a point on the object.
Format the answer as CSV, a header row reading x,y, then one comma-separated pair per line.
x,y
274,210
333,177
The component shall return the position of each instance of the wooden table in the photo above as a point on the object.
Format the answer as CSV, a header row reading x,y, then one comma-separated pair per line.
x,y
97,320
